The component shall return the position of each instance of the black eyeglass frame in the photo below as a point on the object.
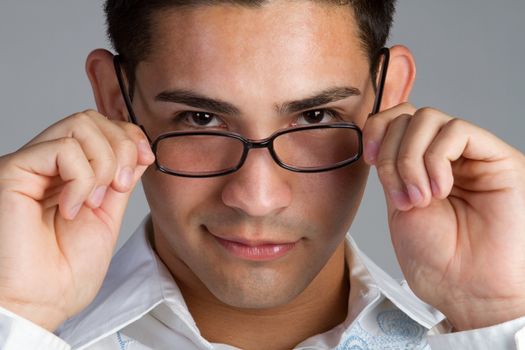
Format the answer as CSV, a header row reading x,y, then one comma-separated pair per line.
x,y
264,143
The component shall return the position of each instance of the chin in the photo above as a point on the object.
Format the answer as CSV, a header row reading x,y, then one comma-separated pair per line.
x,y
263,292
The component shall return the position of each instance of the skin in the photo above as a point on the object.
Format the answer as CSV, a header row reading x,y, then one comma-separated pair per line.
x,y
261,201
450,186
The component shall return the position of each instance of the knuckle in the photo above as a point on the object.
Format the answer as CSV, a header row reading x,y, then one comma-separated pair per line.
x,y
87,117
84,183
108,158
134,131
69,143
85,177
126,149
91,113
431,157
81,118
401,119
406,106
95,115
90,180
105,168
456,124
426,112
101,166
386,170
406,165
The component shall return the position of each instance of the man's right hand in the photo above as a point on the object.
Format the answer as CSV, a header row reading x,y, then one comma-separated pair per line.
x,y
62,199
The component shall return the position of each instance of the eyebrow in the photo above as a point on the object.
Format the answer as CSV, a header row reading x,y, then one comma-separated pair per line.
x,y
199,101
196,100
324,97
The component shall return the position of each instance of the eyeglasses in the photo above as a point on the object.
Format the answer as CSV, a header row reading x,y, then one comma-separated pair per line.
x,y
303,149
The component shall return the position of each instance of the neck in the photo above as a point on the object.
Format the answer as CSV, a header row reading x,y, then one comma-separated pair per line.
x,y
319,308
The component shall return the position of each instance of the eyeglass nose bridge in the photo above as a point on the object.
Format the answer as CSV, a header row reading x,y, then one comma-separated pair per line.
x,y
264,143
267,143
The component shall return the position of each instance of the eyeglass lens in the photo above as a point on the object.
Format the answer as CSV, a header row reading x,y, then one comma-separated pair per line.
x,y
199,154
300,149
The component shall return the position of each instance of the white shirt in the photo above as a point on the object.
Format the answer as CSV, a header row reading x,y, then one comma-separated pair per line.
x,y
140,307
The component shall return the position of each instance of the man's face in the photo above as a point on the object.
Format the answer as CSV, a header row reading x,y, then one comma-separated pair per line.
x,y
258,237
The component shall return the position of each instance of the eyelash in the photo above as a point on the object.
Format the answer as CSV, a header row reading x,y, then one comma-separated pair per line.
x,y
334,114
182,117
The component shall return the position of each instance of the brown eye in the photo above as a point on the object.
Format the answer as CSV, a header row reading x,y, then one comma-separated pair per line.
x,y
194,119
201,118
316,117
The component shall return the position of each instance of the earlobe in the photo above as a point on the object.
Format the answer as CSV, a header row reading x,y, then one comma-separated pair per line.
x,y
101,74
400,77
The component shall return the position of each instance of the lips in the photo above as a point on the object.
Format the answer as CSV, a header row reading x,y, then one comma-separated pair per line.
x,y
254,250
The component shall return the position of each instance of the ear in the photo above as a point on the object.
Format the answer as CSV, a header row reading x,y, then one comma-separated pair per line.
x,y
400,77
101,74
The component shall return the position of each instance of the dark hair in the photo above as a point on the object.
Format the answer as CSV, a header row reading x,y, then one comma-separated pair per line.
x,y
129,24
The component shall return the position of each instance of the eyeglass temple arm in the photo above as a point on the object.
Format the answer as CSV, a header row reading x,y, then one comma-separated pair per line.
x,y
385,53
124,92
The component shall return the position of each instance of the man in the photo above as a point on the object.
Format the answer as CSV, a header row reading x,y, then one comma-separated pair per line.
x,y
245,247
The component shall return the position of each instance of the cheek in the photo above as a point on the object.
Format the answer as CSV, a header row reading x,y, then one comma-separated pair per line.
x,y
332,198
329,200
173,199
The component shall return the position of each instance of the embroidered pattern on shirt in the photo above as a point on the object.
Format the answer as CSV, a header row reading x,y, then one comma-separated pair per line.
x,y
123,341
395,331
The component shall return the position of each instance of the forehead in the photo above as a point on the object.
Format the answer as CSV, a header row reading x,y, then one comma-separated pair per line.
x,y
256,46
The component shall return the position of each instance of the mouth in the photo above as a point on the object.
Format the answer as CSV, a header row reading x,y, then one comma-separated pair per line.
x,y
254,250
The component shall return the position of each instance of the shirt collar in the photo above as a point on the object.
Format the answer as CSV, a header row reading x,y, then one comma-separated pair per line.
x,y
137,282
397,292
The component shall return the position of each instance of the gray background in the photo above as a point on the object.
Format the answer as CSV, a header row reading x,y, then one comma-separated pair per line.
x,y
469,54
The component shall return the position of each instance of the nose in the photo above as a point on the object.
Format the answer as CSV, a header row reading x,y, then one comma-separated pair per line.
x,y
260,188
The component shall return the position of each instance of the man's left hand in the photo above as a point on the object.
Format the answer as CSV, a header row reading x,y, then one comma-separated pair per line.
x,y
456,210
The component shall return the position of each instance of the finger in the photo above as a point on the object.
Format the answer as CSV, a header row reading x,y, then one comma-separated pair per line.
x,y
115,203
145,155
96,147
75,122
375,129
422,129
387,164
125,150
65,158
457,139
111,150
121,129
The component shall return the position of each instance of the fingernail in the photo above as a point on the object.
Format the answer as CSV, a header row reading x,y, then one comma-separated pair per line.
x,y
371,150
415,194
145,149
74,211
400,199
435,188
125,177
98,196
